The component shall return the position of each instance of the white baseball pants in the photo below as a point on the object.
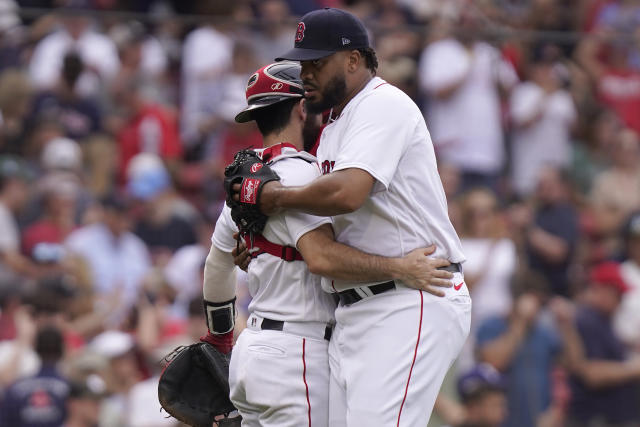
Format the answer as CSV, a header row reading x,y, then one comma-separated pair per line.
x,y
281,378
389,354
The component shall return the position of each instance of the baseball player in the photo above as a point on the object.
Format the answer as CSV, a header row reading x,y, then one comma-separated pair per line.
x,y
279,369
392,345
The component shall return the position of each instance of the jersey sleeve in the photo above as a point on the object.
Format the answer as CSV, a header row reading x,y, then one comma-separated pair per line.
x,y
222,236
377,135
299,172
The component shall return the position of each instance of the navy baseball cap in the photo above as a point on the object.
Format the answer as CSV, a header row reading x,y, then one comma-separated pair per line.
x,y
323,32
483,377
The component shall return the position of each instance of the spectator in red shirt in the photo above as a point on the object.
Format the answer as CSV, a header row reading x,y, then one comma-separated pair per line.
x,y
151,128
617,82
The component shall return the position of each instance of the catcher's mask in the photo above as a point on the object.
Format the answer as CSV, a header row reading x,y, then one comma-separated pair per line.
x,y
269,85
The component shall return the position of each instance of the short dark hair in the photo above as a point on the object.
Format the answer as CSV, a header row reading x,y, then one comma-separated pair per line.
x,y
275,117
371,60
49,344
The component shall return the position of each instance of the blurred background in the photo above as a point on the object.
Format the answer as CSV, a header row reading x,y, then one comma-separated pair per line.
x,y
116,122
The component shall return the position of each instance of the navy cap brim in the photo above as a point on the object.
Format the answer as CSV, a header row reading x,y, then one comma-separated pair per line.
x,y
301,54
246,115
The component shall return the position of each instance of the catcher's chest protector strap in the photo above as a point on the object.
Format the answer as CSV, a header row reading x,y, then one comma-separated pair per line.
x,y
284,150
259,245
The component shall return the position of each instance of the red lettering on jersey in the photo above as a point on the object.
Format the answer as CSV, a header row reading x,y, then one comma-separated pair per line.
x,y
39,399
327,166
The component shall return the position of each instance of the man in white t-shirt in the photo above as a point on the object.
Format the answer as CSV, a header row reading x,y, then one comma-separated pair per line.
x,y
98,53
279,370
543,114
462,79
392,345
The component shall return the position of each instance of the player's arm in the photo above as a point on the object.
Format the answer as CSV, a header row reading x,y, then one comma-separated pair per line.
x,y
326,257
370,152
337,193
219,290
219,286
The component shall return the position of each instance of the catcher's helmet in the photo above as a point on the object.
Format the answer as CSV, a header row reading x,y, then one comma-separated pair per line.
x,y
269,85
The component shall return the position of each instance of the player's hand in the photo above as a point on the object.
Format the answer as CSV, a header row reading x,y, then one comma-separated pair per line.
x,y
421,272
240,254
267,198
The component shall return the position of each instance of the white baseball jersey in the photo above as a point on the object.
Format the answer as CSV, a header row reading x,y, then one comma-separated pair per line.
x,y
282,290
281,378
407,208
390,352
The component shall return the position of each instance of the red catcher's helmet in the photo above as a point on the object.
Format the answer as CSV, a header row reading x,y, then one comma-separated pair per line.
x,y
269,85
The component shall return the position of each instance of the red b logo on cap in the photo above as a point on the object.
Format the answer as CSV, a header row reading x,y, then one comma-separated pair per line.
x,y
300,32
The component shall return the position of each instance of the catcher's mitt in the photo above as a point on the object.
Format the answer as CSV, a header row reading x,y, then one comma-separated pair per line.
x,y
194,386
252,173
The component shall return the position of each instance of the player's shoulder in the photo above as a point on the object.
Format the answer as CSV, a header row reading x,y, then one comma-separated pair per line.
x,y
387,98
296,170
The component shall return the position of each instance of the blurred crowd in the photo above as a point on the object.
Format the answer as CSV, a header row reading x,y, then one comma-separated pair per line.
x,y
116,122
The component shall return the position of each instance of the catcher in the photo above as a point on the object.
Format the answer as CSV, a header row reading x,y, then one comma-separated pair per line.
x,y
279,369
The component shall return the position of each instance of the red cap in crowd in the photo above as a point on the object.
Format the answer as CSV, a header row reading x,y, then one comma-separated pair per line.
x,y
608,274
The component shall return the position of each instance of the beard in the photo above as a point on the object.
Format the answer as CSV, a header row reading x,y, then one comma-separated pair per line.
x,y
333,94
311,131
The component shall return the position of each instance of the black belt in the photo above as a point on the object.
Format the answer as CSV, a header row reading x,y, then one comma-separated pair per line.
x,y
278,325
454,267
351,296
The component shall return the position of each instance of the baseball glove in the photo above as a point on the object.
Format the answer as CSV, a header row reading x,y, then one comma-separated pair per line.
x,y
252,173
194,386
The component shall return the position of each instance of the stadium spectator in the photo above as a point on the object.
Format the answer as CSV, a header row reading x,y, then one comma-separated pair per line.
x,y
232,136
616,191
604,387
17,356
627,318
57,219
143,57
39,401
483,395
13,197
542,114
274,34
164,222
185,268
549,230
15,97
76,33
83,403
79,115
121,374
118,260
206,56
593,155
11,35
609,62
490,265
525,349
462,78
150,128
